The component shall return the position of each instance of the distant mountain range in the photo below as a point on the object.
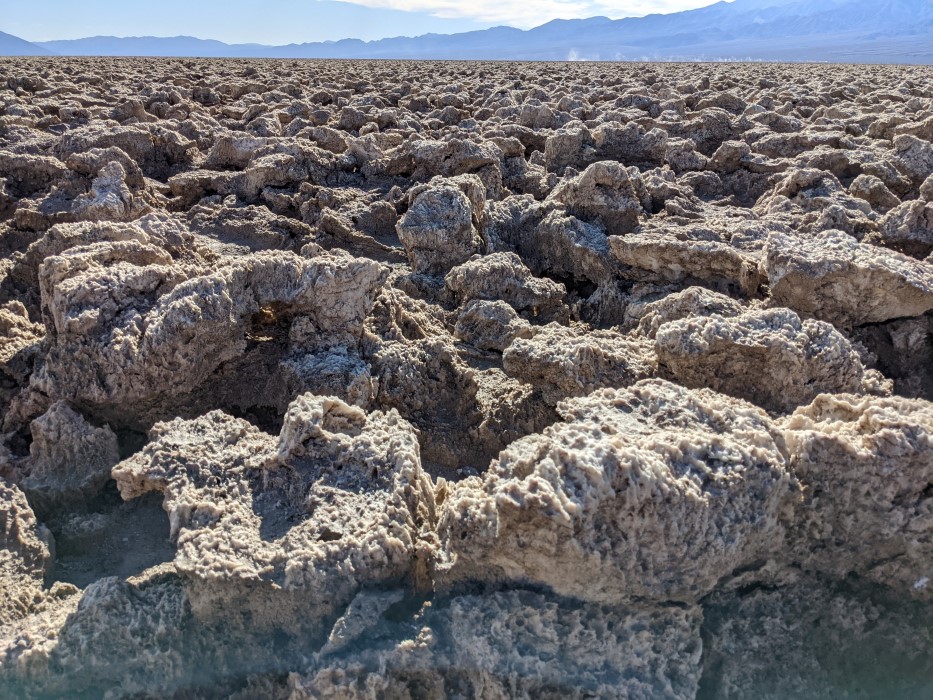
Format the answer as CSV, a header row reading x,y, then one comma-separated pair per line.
x,y
856,31
14,46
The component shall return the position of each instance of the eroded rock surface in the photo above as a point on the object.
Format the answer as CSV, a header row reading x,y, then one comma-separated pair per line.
x,y
25,556
465,379
771,358
513,637
338,501
828,639
69,459
874,457
833,277
562,361
653,492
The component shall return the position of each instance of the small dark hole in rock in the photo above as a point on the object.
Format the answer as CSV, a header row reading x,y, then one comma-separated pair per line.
x,y
329,536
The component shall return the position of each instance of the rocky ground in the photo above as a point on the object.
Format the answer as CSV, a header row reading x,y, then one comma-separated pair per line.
x,y
476,380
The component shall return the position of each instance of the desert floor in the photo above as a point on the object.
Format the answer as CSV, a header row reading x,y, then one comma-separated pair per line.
x,y
331,379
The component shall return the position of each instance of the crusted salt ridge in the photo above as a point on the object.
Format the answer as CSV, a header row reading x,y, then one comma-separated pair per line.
x,y
653,492
25,555
872,457
69,459
504,276
563,361
834,277
130,328
803,358
505,644
791,627
338,501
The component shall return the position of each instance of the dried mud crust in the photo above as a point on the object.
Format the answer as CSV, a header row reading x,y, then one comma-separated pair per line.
x,y
419,380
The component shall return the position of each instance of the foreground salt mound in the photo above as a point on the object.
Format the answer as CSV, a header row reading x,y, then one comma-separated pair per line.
x,y
140,635
769,357
835,278
269,527
509,644
653,492
866,465
133,634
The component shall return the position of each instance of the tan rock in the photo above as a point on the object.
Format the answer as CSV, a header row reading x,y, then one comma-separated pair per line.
x,y
654,492
866,465
769,357
563,361
835,278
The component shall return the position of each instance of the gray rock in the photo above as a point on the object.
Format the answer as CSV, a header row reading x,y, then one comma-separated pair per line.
x,y
690,303
69,459
603,192
688,254
504,276
517,643
437,230
909,228
490,325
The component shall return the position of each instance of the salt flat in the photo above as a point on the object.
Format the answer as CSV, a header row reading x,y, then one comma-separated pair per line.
x,y
465,379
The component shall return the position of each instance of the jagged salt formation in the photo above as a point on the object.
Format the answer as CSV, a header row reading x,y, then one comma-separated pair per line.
x,y
338,501
653,492
402,379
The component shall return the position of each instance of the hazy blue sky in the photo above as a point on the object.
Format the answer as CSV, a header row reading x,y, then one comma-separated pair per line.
x,y
295,21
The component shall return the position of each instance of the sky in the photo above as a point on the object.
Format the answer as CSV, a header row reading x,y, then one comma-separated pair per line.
x,y
295,21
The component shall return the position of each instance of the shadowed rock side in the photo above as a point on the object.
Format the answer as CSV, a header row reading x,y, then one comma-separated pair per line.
x,y
412,380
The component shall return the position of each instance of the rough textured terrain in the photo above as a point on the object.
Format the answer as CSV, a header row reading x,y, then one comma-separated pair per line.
x,y
474,380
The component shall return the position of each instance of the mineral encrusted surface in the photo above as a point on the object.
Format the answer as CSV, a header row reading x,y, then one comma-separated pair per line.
x,y
471,380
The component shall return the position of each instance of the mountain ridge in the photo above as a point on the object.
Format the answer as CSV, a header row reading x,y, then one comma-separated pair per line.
x,y
14,46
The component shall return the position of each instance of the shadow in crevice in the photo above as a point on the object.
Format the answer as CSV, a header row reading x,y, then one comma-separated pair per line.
x,y
110,537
